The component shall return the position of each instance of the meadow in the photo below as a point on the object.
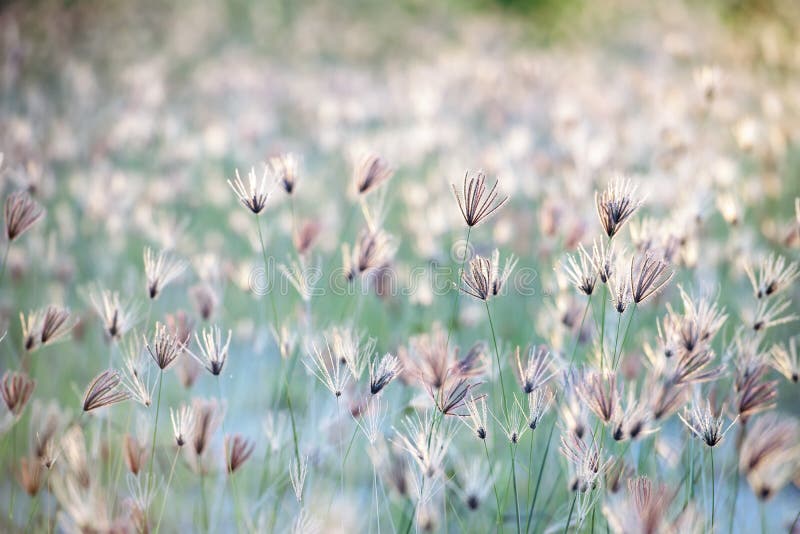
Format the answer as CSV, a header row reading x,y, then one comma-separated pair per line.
x,y
458,266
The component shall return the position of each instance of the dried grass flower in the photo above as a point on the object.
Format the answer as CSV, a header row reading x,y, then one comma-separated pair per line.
x,y
104,391
237,450
581,271
773,274
474,200
769,453
285,168
21,212
183,423
649,274
165,347
785,360
382,371
254,197
599,392
160,269
371,172
118,316
16,388
616,204
213,352
536,370
705,424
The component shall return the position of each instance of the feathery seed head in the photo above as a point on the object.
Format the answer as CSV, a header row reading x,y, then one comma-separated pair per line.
x,y
474,200
21,212
16,389
255,196
616,204
104,390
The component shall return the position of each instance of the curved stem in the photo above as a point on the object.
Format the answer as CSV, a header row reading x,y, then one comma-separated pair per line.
x,y
497,357
513,450
625,337
5,260
155,430
166,490
539,476
713,485
454,313
494,484
571,509
266,274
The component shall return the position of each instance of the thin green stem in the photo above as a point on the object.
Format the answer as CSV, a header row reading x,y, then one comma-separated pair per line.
x,y
494,484
266,274
5,260
155,429
166,490
497,357
454,313
735,498
539,476
578,333
713,486
204,501
571,509
603,328
625,337
513,451
13,460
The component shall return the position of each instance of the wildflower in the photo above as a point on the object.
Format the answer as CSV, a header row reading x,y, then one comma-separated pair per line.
x,y
136,374
205,300
46,422
55,325
104,391
645,508
478,278
573,411
29,475
213,353
382,371
297,476
774,274
327,368
427,445
306,236
620,291
183,423
649,275
477,481
616,204
349,349
284,168
372,250
599,392
769,453
692,368
160,270
786,361
516,423
165,347
21,212
208,417
16,389
474,363
537,370
372,417
617,473
581,271
30,325
666,398
475,203
117,316
585,460
770,313
498,277
371,172
142,489
754,395
704,424
256,195
538,403
603,259
452,395
73,445
237,450
632,422
134,452
476,420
